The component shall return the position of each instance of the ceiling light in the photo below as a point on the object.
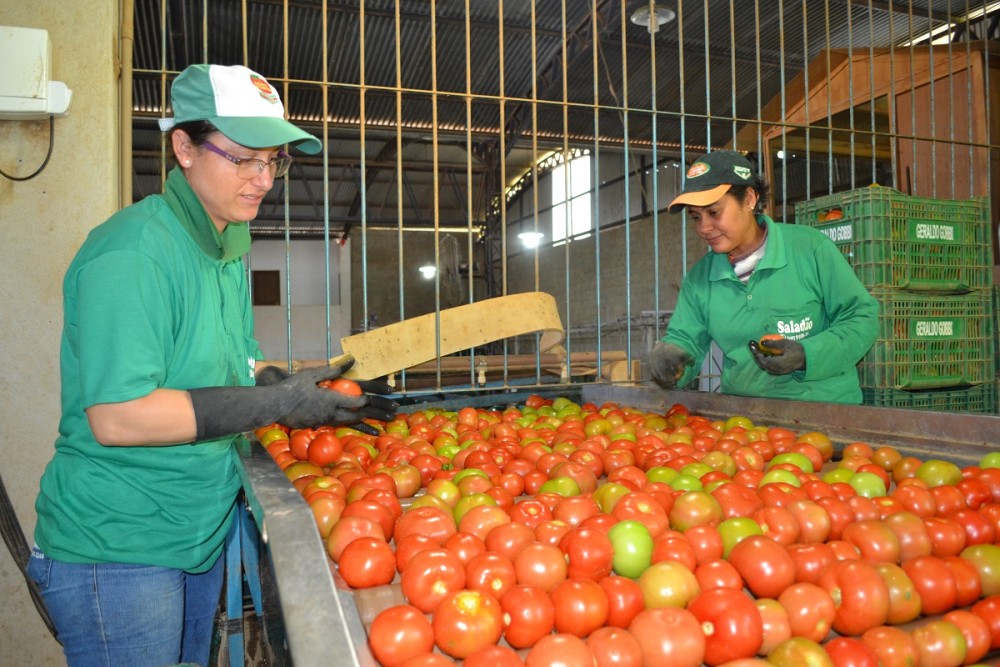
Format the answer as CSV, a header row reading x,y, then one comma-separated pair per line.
x,y
530,239
652,16
428,271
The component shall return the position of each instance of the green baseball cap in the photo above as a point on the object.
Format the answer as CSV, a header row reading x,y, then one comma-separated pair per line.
x,y
240,103
711,176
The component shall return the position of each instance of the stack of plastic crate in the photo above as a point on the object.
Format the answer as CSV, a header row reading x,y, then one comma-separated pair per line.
x,y
929,264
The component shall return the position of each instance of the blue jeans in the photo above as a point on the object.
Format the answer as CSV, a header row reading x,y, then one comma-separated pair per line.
x,y
115,614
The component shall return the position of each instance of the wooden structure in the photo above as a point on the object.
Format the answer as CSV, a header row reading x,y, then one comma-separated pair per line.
x,y
927,114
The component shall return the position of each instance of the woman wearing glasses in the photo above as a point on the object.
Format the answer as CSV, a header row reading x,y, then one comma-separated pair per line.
x,y
158,381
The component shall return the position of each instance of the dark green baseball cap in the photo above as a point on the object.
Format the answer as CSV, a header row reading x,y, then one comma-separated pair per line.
x,y
240,103
711,176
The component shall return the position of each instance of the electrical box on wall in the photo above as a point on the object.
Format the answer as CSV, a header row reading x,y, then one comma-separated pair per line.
x,y
26,89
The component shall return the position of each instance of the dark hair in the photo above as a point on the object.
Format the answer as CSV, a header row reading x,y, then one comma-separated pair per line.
x,y
762,189
197,130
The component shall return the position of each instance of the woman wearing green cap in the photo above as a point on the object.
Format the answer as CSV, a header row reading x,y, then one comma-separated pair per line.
x,y
763,278
158,380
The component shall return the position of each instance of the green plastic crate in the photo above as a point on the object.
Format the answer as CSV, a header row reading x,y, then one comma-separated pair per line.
x,y
929,342
980,399
911,243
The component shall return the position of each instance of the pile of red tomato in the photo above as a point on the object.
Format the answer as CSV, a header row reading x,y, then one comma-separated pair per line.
x,y
557,534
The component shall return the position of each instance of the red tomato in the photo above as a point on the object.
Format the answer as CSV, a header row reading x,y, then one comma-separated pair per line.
x,y
840,513
986,559
706,542
580,607
588,553
326,510
988,609
348,529
491,573
669,636
939,643
875,541
799,651
731,623
668,584
976,633
765,565
891,646
978,528
947,536
810,611
399,632
625,600
916,499
934,582
343,386
430,576
367,562
642,507
904,600
369,509
778,523
493,656
466,621
774,622
530,512
911,532
718,573
859,593
850,652
560,650
529,614
324,449
433,522
481,519
509,538
541,565
465,546
968,585
614,647
409,545
575,509
810,560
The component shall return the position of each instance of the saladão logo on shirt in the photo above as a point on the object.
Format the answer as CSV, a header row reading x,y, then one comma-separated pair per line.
x,y
794,329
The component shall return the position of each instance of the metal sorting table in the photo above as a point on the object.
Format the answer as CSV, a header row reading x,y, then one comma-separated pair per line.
x,y
322,621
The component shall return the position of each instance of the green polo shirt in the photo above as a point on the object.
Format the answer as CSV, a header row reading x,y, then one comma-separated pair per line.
x,y
155,297
804,289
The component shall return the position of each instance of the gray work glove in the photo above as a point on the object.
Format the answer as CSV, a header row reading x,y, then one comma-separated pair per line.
x,y
667,364
292,400
790,357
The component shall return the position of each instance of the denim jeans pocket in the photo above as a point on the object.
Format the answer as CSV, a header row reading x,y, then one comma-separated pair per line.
x,y
39,568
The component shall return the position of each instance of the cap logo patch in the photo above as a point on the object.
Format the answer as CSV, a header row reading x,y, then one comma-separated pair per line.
x,y
266,91
742,172
698,169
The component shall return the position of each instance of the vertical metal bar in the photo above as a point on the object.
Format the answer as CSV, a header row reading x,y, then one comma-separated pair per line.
x,y
829,107
534,170
807,89
628,184
762,155
912,180
400,209
970,116
654,112
683,129
732,67
287,198
362,175
893,127
595,167
784,115
243,35
850,90
871,88
503,172
933,102
951,100
708,77
990,140
326,181
436,196
468,171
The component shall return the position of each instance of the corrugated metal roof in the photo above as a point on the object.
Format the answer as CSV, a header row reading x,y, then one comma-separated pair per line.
x,y
712,72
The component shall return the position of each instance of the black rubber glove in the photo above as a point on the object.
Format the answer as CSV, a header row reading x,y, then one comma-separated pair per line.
x,y
294,401
791,356
667,364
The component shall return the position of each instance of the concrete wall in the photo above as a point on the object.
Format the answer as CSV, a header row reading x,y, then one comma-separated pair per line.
x,y
42,223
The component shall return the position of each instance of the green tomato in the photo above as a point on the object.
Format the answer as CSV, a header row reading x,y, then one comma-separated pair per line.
x,y
447,451
563,486
991,460
696,469
867,484
720,461
986,559
608,494
736,529
779,475
837,475
468,472
466,503
661,474
633,548
685,483
939,473
800,461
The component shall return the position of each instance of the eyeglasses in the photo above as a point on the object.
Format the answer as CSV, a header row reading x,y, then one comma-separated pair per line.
x,y
251,167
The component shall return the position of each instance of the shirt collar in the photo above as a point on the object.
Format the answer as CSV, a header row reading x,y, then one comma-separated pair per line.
x,y
231,244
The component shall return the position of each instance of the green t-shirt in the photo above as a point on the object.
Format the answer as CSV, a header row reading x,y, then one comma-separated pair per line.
x,y
804,289
155,297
